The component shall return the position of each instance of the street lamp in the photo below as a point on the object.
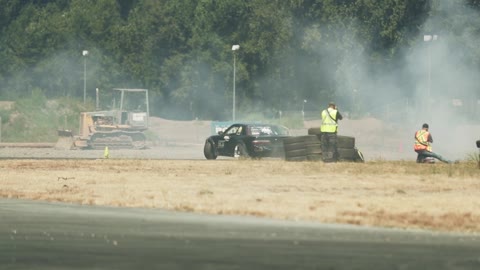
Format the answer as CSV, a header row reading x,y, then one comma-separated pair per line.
x,y
354,98
84,53
234,48
303,109
429,38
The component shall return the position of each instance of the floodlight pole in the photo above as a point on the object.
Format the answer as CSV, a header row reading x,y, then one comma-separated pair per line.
x,y
234,48
303,109
429,39
84,53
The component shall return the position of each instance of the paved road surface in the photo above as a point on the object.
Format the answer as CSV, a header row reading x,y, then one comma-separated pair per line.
x,y
40,235
187,151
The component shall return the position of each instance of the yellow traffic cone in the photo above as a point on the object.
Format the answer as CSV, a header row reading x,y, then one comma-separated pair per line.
x,y
105,153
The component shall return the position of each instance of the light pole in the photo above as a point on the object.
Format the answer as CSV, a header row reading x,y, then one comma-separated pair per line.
x,y
429,38
84,53
354,105
303,109
234,48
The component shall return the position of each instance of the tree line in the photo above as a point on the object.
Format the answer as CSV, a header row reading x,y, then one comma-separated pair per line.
x,y
293,53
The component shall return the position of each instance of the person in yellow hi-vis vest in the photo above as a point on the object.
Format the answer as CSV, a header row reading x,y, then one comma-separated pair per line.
x,y
329,127
106,154
423,147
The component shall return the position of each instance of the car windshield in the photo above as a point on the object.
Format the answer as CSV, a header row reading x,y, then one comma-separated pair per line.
x,y
266,130
233,130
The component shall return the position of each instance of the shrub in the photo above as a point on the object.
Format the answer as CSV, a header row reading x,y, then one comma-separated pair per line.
x,y
36,119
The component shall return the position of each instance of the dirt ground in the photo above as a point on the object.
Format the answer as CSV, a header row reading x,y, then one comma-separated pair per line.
x,y
389,190
388,194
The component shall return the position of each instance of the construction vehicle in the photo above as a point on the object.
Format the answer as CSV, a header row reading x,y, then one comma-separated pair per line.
x,y
121,127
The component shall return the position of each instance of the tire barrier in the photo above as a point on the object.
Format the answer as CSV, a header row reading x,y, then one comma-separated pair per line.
x,y
314,131
346,142
302,158
313,147
309,147
359,156
295,149
294,146
346,153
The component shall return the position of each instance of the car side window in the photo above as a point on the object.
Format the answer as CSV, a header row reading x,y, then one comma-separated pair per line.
x,y
232,131
266,131
239,131
280,130
254,131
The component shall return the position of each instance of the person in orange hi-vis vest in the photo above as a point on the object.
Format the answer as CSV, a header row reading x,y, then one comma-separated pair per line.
x,y
423,147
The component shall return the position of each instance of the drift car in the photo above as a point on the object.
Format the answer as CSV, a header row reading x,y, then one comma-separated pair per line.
x,y
247,141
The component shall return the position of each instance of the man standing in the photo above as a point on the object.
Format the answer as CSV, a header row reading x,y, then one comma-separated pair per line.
x,y
422,146
330,117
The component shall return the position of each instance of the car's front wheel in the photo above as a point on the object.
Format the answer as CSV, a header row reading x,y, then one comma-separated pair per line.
x,y
209,150
240,151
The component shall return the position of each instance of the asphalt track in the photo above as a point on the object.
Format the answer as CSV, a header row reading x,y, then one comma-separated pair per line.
x,y
40,235
189,152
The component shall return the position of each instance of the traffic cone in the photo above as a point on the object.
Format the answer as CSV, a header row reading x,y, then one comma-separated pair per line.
x,y
105,153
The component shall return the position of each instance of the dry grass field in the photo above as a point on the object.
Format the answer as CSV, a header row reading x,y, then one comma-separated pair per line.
x,y
399,194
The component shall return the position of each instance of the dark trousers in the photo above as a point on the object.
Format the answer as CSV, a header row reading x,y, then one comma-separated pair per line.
x,y
329,147
422,154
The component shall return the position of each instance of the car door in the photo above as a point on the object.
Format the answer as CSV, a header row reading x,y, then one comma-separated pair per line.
x,y
230,138
224,140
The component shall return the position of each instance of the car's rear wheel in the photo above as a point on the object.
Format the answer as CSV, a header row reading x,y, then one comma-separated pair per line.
x,y
209,151
240,151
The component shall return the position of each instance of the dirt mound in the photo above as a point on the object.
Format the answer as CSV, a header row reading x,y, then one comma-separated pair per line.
x,y
64,143
180,132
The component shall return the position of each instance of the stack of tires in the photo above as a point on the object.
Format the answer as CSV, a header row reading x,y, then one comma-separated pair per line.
x,y
295,149
313,147
346,148
309,147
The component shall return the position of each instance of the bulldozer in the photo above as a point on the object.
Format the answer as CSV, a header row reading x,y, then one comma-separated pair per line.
x,y
121,127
